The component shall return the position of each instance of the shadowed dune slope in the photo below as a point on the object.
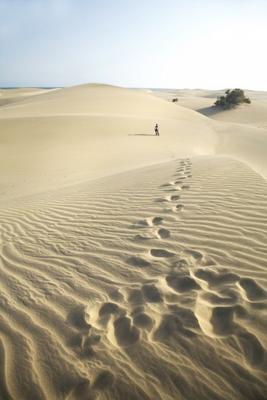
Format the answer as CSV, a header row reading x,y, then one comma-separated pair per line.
x,y
241,132
254,114
202,101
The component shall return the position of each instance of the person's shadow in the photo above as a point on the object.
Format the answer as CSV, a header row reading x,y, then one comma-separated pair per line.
x,y
141,134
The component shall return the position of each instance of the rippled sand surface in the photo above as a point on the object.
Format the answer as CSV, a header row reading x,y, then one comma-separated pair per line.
x,y
147,285
132,267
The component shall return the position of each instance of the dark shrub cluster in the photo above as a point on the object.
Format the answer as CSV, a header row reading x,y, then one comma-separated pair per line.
x,y
232,99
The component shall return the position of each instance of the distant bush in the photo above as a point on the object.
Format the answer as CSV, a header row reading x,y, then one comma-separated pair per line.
x,y
174,100
232,99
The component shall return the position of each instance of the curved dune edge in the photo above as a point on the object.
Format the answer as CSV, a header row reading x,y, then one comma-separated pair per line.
x,y
149,284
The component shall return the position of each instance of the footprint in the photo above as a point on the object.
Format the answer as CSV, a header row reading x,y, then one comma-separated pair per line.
x,y
143,236
177,188
254,292
182,283
175,197
143,321
92,340
151,293
169,327
166,185
179,207
81,391
157,220
185,187
174,189
87,350
135,296
163,233
171,183
142,223
186,316
162,253
214,278
219,320
222,298
251,348
115,294
162,200
138,262
149,222
79,317
194,254
181,264
222,321
241,312
104,381
126,334
109,308
76,341
83,344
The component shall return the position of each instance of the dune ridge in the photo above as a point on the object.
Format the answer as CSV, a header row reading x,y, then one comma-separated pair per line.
x,y
64,136
69,135
147,284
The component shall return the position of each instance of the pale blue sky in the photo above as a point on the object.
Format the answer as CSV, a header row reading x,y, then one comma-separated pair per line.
x,y
136,43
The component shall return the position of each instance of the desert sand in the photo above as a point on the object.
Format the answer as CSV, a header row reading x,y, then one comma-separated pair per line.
x,y
133,267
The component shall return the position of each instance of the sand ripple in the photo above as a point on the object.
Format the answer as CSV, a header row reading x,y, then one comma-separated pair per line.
x,y
147,285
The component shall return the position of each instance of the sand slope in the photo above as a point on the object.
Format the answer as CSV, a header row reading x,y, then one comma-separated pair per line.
x,y
202,101
68,135
131,266
10,96
88,131
241,133
147,285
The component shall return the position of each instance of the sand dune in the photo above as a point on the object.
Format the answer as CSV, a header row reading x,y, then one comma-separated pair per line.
x,y
113,290
241,132
69,135
254,114
90,131
10,96
132,266
202,101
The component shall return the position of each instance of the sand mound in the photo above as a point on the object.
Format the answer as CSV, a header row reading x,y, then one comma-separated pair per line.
x,y
241,133
146,284
70,135
108,293
10,96
88,131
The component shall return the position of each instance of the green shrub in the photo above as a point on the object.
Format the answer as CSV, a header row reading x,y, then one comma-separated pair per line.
x,y
232,99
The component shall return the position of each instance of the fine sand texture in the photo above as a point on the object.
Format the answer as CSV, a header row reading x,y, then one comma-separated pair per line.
x,y
132,267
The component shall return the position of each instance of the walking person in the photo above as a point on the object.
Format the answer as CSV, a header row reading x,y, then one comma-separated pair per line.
x,y
156,129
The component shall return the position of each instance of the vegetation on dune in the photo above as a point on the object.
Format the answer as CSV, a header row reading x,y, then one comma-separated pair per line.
x,y
174,100
232,99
